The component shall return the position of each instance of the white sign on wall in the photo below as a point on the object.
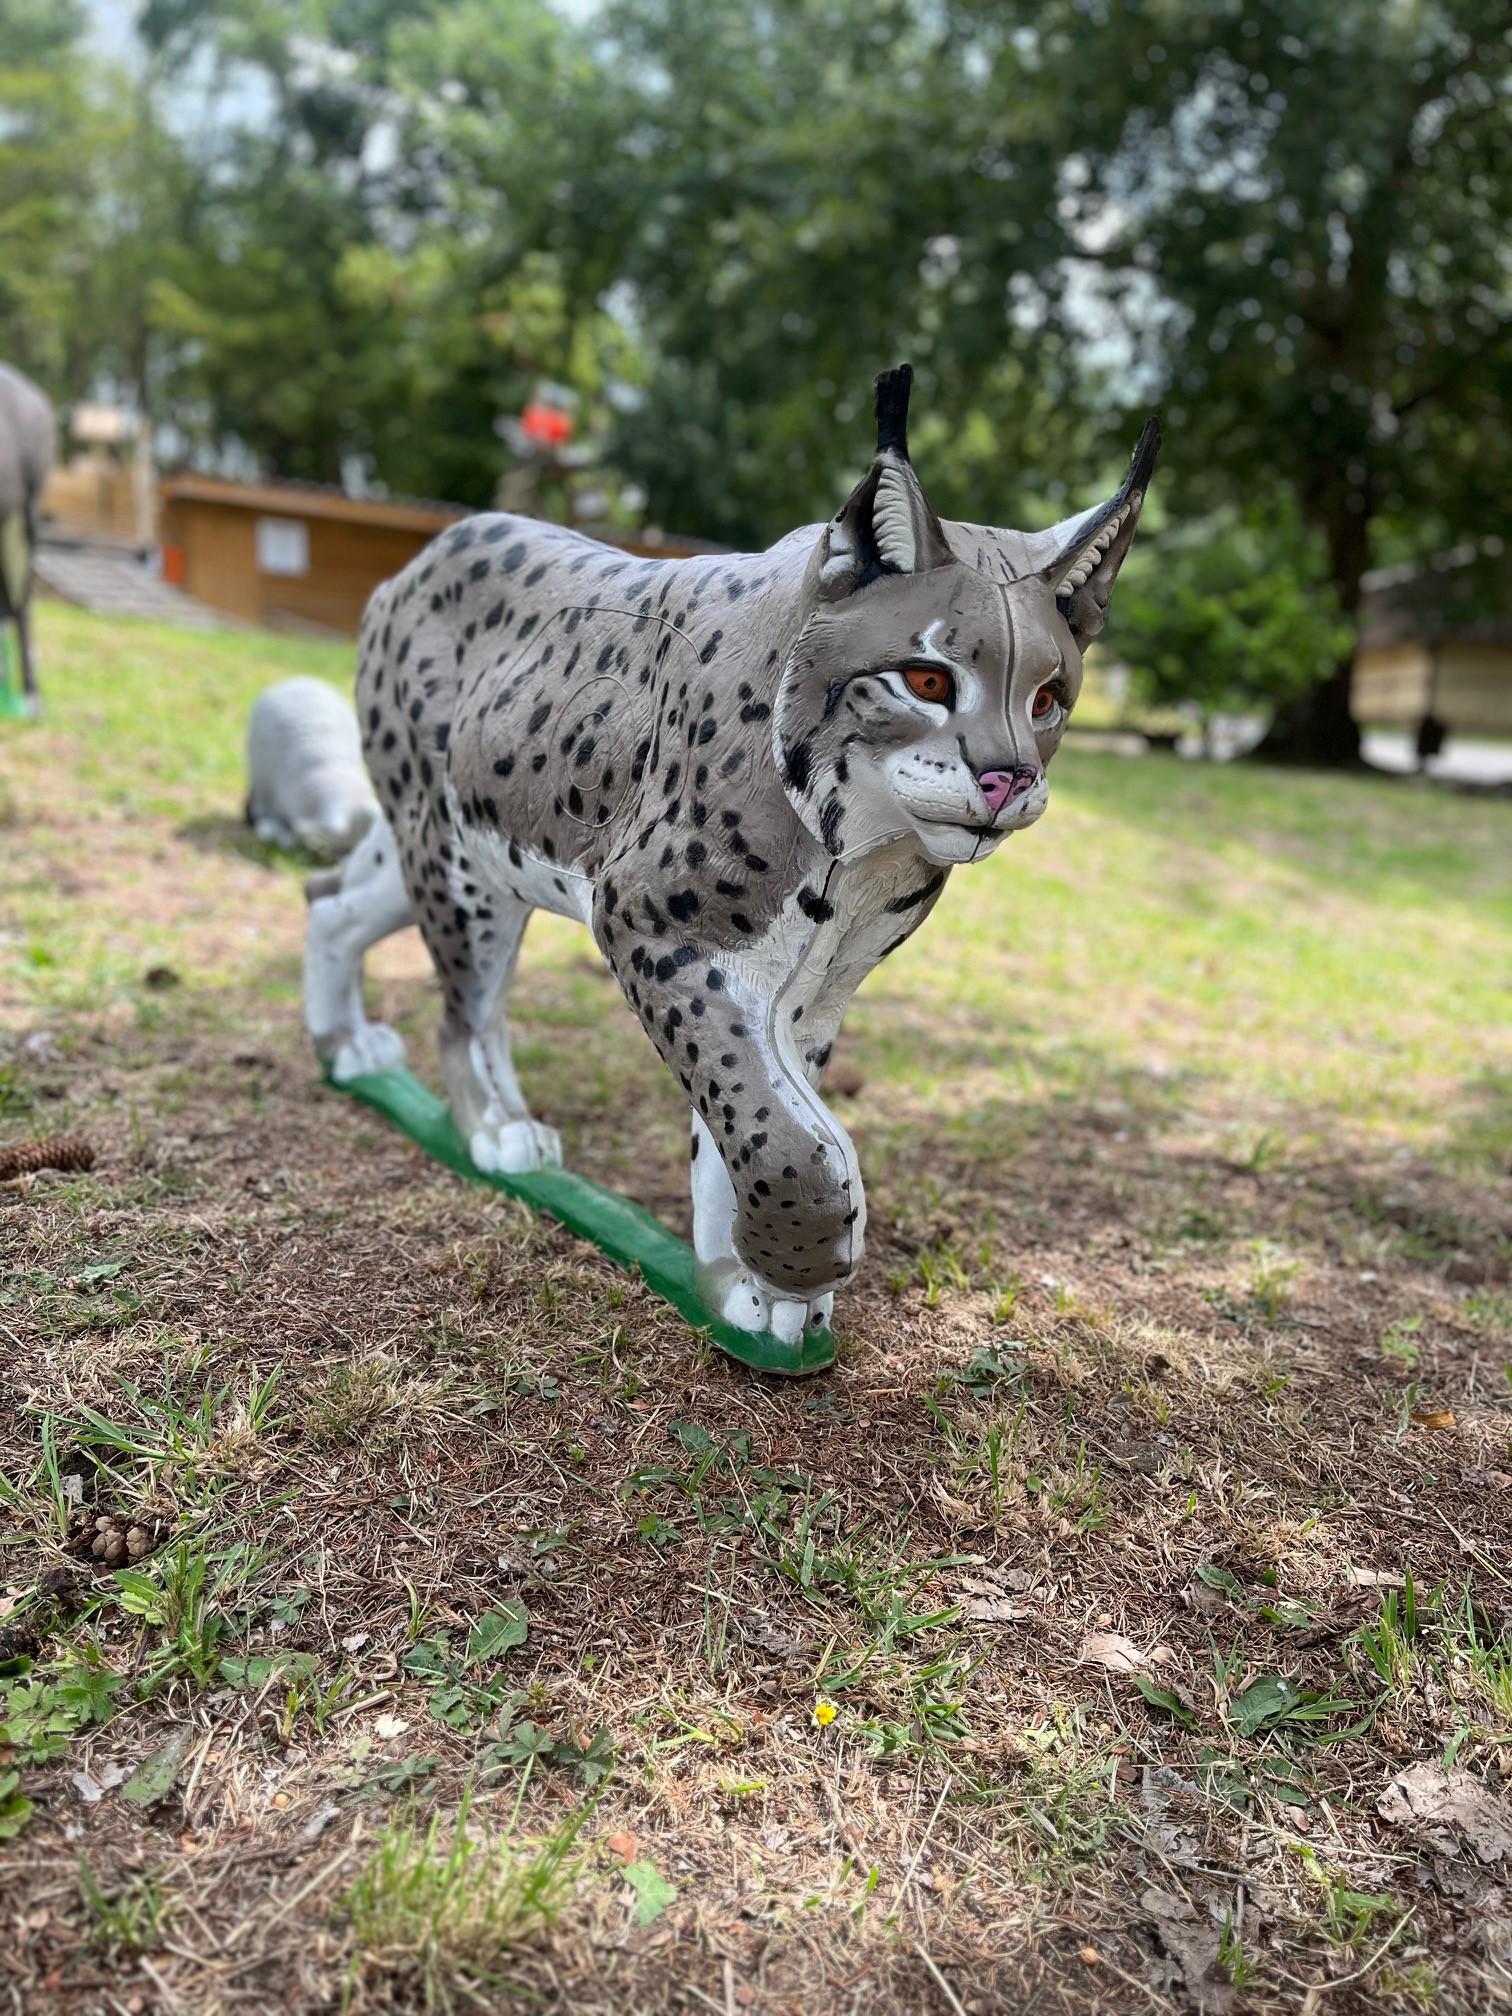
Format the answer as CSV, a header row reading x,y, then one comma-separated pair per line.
x,y
283,546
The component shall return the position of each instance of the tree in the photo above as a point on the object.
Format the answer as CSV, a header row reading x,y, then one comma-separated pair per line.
x,y
348,291
44,181
786,199
1314,206
1289,225
1233,614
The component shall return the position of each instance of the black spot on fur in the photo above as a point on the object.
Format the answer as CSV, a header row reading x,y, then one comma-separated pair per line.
x,y
901,905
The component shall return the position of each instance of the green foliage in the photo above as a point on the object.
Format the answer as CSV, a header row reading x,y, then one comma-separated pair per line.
x,y
130,1919
461,1695
44,181
1231,614
428,1908
653,1891
40,1712
1275,222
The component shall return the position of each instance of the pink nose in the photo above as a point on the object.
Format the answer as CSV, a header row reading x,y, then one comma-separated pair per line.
x,y
1002,787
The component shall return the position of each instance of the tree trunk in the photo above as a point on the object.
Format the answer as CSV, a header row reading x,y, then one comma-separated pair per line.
x,y
1318,727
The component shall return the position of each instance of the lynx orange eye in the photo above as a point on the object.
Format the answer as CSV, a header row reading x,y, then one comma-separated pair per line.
x,y
1044,703
928,682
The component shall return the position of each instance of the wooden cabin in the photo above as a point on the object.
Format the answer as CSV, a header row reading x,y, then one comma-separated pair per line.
x,y
289,556
1436,642
304,557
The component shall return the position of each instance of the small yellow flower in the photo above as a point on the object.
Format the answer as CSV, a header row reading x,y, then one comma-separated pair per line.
x,y
825,1712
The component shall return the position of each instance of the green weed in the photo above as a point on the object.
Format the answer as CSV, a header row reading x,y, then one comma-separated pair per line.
x,y
1399,1341
445,1911
129,1921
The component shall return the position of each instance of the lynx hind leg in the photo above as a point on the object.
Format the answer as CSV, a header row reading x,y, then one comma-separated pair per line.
x,y
726,1286
486,1101
350,910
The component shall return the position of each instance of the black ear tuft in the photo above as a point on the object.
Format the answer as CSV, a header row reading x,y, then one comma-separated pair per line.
x,y
1143,464
893,388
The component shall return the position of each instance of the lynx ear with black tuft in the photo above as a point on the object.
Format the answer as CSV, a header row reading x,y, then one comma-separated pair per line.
x,y
893,390
1090,550
886,525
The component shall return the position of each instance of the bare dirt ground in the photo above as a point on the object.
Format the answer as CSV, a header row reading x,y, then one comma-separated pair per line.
x,y
1124,1624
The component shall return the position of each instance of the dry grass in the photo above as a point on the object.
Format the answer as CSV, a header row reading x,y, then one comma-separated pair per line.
x,y
488,1614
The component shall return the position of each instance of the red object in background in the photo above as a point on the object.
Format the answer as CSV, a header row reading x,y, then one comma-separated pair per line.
x,y
173,565
548,426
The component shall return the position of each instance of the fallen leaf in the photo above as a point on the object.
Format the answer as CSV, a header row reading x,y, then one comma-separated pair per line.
x,y
624,1847
652,1890
1450,1804
957,1511
92,1786
1191,1945
996,1610
1113,1650
389,1726
153,1778
1374,1578
259,1668
1433,1417
987,1603
319,1820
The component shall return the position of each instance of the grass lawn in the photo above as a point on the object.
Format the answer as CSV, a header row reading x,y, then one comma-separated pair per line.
x,y
1149,1541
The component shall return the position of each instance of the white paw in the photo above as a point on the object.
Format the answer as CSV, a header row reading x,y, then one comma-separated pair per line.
x,y
745,1304
372,1048
788,1319
514,1147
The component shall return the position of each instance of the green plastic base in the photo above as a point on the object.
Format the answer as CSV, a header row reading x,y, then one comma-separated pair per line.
x,y
14,705
622,1230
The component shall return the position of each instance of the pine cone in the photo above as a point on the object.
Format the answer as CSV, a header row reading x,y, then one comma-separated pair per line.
x,y
56,1151
110,1540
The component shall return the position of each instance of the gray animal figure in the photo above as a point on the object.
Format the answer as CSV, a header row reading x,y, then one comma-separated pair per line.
x,y
305,778
750,775
28,433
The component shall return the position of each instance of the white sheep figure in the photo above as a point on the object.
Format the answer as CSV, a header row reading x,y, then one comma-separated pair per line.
x,y
307,783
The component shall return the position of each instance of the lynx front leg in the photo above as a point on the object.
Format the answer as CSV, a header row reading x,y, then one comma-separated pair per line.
x,y
726,1284
778,1206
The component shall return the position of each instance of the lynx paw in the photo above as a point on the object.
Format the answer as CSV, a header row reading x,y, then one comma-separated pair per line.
x,y
374,1047
513,1147
745,1304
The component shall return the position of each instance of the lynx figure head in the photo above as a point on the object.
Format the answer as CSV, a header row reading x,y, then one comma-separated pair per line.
x,y
922,698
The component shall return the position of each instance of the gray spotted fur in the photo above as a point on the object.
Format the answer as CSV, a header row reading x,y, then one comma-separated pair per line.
x,y
717,764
